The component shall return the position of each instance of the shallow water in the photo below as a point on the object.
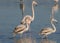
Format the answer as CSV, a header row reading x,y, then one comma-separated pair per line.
x,y
10,17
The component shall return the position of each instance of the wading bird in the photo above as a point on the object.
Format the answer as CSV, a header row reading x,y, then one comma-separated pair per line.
x,y
28,19
46,31
20,29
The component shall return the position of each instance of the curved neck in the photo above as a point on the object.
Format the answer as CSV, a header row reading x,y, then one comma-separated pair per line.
x,y
27,26
32,11
54,28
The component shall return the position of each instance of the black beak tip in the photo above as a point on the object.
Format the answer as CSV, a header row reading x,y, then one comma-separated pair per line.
x,y
36,5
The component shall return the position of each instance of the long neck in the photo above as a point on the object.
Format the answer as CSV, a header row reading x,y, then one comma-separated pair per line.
x,y
23,11
22,7
27,27
32,11
54,28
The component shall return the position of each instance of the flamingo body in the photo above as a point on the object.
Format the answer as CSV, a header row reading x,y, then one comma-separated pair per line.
x,y
46,31
27,19
20,29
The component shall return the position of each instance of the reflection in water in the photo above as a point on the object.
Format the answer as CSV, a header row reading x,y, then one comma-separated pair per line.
x,y
25,40
47,41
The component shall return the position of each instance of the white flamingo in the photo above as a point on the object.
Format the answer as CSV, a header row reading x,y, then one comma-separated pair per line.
x,y
46,31
49,30
28,19
20,29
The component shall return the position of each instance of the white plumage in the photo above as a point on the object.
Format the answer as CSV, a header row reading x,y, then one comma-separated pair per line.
x,y
28,19
49,30
20,29
46,31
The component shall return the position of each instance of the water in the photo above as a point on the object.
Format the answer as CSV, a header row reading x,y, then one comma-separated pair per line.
x,y
10,17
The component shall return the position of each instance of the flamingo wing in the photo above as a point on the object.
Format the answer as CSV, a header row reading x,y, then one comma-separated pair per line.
x,y
19,28
45,30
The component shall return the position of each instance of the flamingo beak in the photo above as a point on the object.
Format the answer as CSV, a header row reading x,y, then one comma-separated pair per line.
x,y
35,3
56,20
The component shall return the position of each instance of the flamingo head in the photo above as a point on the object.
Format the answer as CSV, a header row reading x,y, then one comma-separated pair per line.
x,y
54,20
34,3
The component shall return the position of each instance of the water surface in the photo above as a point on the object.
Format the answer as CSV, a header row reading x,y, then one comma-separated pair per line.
x,y
10,17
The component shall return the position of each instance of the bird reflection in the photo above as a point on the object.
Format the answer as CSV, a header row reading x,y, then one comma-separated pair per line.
x,y
47,41
25,40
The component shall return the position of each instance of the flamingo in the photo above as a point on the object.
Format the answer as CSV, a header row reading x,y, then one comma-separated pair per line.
x,y
46,31
28,19
49,30
20,29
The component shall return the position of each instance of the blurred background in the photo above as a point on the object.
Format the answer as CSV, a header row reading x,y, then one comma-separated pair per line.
x,y
11,14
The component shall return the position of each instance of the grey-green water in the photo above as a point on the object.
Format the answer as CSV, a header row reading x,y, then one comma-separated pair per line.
x,y
10,17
